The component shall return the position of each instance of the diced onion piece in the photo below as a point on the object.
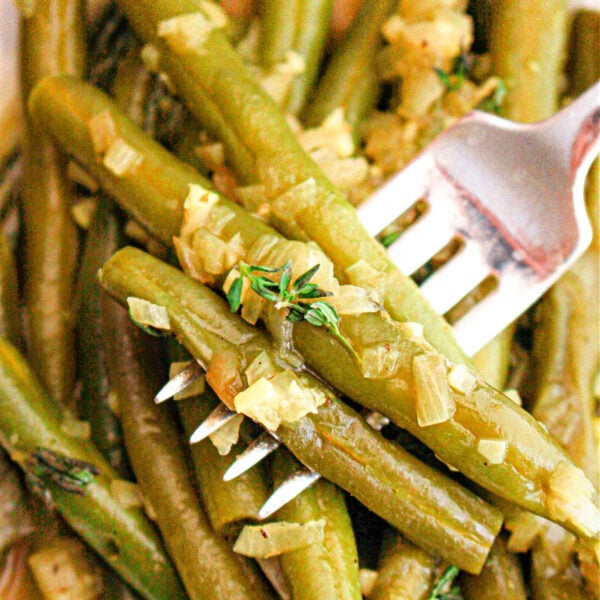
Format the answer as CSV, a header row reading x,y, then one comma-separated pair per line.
x,y
227,436
380,361
284,398
299,198
368,579
126,493
411,331
570,498
344,173
461,379
215,13
212,155
114,404
63,571
434,398
103,131
146,313
277,81
261,366
514,396
196,208
195,388
150,56
492,450
83,212
188,31
353,300
75,428
121,159
376,420
272,539
334,133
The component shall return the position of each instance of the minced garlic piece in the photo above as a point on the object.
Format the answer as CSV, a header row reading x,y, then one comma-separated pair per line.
x,y
103,131
224,438
126,493
492,450
146,313
188,31
121,158
150,56
461,379
195,388
283,398
570,498
434,398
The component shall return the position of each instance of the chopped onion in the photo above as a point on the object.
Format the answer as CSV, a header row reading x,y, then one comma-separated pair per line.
x,y
353,300
190,31
334,133
146,313
434,398
114,404
195,388
196,208
126,493
368,579
121,159
272,539
227,436
461,379
363,274
83,212
103,131
411,331
380,361
298,198
492,450
261,367
514,396
150,56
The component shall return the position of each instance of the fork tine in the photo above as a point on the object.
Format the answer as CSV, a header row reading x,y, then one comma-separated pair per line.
x,y
179,382
260,448
461,274
217,418
291,487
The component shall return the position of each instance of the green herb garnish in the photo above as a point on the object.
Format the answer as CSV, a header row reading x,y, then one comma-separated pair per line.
x,y
299,299
70,474
457,77
443,588
493,102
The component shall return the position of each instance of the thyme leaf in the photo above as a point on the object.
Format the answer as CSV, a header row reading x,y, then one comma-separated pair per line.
x,y
443,588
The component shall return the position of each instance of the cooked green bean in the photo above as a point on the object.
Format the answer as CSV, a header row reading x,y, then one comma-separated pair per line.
x,y
30,420
350,78
450,521
159,462
328,571
485,413
405,571
103,239
10,316
500,579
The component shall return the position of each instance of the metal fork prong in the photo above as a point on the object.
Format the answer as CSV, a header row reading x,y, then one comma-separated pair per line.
x,y
395,197
289,488
260,448
421,240
217,418
190,373
461,274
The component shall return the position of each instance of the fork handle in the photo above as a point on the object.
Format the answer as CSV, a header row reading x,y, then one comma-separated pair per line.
x,y
576,128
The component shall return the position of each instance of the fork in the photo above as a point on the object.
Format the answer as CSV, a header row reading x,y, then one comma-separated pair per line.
x,y
510,196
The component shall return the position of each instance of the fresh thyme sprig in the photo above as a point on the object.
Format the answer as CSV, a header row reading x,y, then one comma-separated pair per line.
x,y
443,588
70,474
457,77
299,298
493,102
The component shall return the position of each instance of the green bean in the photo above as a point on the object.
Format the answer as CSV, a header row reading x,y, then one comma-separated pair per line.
x,y
328,571
10,316
52,42
405,571
527,45
103,238
350,79
585,64
450,520
493,360
29,420
483,413
500,579
159,463
227,503
300,26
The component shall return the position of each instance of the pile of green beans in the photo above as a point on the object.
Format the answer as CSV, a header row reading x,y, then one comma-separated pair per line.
x,y
102,461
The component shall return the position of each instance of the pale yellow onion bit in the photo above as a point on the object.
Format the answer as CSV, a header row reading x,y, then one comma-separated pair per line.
x,y
287,206
412,331
83,211
277,81
150,56
435,403
103,131
353,300
363,274
195,388
122,159
224,438
197,206
146,313
570,498
514,396
212,256
461,379
189,32
335,133
262,366
272,539
212,154
126,493
380,361
218,218
368,579
345,173
254,199
493,450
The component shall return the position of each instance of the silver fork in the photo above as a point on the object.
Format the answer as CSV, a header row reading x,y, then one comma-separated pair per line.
x,y
475,179
512,194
